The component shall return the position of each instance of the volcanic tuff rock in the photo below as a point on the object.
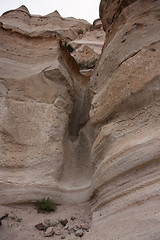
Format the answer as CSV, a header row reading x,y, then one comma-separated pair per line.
x,y
97,24
88,48
40,86
125,114
62,137
20,20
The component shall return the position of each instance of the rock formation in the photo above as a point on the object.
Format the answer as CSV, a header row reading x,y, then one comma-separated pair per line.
x,y
40,86
97,24
75,140
20,20
88,49
125,114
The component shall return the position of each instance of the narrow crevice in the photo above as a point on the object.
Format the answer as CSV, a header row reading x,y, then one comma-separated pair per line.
x,y
80,83
77,170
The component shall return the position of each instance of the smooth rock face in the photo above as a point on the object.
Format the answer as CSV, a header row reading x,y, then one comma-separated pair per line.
x,y
38,78
125,113
62,138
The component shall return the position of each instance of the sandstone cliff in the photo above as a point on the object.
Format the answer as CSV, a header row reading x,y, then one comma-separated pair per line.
x,y
40,87
125,114
76,140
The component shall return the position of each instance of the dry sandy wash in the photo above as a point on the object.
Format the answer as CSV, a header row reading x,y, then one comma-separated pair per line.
x,y
88,139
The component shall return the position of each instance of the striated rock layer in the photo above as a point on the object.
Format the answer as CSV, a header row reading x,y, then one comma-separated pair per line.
x,y
73,141
87,48
20,20
125,113
40,85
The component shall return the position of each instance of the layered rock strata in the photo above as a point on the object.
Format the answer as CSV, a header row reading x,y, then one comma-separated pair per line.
x,y
87,49
125,114
74,141
40,86
20,20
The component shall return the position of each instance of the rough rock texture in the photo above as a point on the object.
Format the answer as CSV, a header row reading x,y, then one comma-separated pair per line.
x,y
20,20
97,24
62,138
88,48
125,113
40,86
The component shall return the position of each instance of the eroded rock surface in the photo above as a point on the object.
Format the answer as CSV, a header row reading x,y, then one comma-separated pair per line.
x,y
125,115
20,20
88,48
40,85
76,141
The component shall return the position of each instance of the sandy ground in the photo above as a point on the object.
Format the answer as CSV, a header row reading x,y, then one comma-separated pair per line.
x,y
21,221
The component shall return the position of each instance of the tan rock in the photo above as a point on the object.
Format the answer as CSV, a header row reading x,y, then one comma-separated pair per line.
x,y
63,137
125,115
52,24
37,82
49,232
87,48
97,24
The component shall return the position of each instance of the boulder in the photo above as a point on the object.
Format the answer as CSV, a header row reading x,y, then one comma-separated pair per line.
x,y
97,24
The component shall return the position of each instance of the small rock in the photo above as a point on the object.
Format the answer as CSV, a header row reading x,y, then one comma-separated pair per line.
x,y
79,233
71,230
63,237
40,226
49,232
63,222
77,227
85,227
73,218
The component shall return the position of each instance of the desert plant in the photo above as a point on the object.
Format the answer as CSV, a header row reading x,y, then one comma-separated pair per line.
x,y
68,47
46,205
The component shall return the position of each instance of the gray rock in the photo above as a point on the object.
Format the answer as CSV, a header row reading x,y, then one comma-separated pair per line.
x,y
79,233
71,230
63,222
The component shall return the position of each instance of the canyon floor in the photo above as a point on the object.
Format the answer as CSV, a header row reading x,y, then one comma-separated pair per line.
x,y
21,221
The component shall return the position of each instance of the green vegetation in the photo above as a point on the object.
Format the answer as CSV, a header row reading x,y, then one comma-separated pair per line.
x,y
68,47
46,205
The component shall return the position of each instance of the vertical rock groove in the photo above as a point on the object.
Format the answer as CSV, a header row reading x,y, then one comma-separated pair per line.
x,y
80,140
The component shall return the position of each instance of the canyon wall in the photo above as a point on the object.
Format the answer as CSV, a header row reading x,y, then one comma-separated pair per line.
x,y
125,114
40,86
74,140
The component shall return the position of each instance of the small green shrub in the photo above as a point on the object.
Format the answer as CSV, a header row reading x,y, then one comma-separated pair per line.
x,y
46,205
68,47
